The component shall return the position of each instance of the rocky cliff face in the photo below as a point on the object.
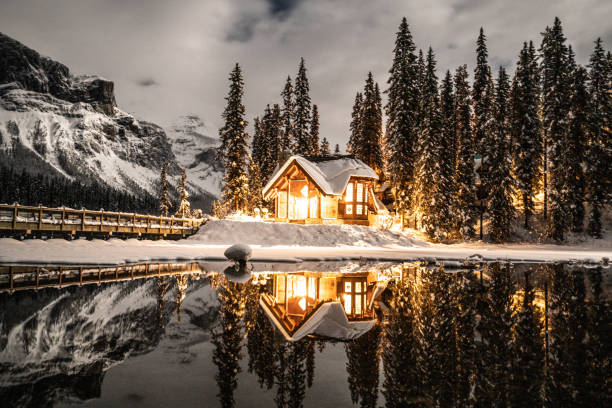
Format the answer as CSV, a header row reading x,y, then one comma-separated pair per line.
x,y
51,120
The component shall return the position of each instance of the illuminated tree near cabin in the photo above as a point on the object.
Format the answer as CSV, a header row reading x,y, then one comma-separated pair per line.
x,y
164,198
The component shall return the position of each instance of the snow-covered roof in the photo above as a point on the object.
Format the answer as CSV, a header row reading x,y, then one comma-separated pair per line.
x,y
331,176
328,321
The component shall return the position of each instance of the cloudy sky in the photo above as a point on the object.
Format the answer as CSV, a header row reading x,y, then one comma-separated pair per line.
x,y
171,58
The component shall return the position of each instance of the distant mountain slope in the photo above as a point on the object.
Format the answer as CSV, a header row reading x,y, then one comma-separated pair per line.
x,y
196,151
54,122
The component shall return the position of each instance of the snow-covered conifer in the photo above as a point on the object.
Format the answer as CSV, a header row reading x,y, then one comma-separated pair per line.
x,y
314,131
255,198
355,126
337,149
286,139
164,196
184,209
324,149
302,113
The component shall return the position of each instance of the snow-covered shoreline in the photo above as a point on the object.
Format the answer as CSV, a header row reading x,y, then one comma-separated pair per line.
x,y
292,244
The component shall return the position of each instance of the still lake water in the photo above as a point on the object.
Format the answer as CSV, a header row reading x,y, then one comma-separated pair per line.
x,y
315,335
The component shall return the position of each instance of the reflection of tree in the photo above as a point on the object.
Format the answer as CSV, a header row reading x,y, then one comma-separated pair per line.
x,y
227,336
599,345
181,289
261,351
495,354
310,361
437,314
567,366
528,351
467,291
296,373
362,367
162,287
401,384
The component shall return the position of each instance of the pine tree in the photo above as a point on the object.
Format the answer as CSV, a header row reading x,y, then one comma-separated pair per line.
x,y
302,113
600,137
402,127
256,200
314,131
164,198
500,208
555,107
324,149
184,209
431,185
368,148
270,128
526,129
448,146
355,127
576,144
482,101
286,138
234,145
528,351
337,149
258,144
466,191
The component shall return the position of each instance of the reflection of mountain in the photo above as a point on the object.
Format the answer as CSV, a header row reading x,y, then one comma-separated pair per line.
x,y
57,344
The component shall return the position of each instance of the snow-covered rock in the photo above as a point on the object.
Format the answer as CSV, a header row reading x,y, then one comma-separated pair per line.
x,y
238,252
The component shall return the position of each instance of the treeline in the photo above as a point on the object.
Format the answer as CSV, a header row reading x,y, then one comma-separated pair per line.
x,y
456,153
34,189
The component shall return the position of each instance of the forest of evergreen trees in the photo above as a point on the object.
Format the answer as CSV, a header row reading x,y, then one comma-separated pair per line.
x,y
457,155
465,339
28,189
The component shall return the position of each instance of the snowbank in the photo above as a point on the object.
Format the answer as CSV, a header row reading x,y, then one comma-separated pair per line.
x,y
274,234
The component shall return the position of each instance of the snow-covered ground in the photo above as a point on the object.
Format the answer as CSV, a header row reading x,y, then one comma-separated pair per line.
x,y
287,243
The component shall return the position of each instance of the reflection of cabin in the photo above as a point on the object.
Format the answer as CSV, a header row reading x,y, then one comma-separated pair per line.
x,y
328,190
324,305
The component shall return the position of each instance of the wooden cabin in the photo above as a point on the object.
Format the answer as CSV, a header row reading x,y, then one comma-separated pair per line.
x,y
328,305
324,190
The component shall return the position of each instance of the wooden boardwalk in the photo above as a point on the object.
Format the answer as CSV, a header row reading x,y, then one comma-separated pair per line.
x,y
20,277
24,221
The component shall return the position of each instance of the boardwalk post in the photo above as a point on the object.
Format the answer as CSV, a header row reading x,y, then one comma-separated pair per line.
x,y
101,218
172,225
148,222
40,216
15,216
83,220
63,217
118,221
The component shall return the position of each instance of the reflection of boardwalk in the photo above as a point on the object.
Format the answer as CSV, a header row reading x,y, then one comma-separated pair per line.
x,y
15,278
17,220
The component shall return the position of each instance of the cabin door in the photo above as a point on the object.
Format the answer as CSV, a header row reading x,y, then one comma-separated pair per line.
x,y
354,296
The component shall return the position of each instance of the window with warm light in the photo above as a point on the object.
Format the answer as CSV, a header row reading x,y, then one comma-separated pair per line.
x,y
359,197
348,197
349,209
359,209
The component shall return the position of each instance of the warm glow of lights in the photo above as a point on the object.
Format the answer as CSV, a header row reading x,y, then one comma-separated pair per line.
x,y
300,289
348,197
302,303
304,190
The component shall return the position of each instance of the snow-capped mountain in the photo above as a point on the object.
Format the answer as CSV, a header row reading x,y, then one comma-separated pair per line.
x,y
56,345
195,150
54,122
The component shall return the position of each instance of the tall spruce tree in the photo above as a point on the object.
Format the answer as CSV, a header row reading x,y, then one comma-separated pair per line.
x,y
286,139
302,113
368,148
255,198
164,197
500,208
234,145
355,126
599,137
271,136
184,208
576,145
314,131
337,149
527,145
555,107
258,144
431,182
483,101
402,126
466,190
448,148
324,149
528,350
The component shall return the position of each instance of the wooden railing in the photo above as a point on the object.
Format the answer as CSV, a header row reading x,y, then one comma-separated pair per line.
x,y
21,221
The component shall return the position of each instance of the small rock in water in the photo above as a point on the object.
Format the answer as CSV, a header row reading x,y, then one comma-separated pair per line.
x,y
238,252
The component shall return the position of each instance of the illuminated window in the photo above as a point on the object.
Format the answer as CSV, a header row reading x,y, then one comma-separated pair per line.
x,y
359,192
347,287
348,197
357,287
347,303
366,195
349,209
358,304
359,209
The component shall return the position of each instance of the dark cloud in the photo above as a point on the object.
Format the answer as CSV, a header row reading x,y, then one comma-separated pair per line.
x,y
282,8
147,82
